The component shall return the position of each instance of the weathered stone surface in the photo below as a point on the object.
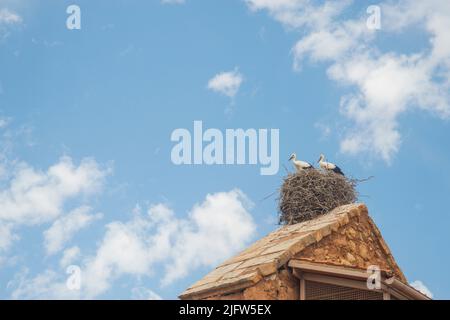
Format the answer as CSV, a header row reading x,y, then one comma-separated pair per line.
x,y
346,236
363,251
350,258
353,246
223,287
281,246
260,260
278,287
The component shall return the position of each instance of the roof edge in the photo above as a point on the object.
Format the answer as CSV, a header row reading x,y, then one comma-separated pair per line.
x,y
224,288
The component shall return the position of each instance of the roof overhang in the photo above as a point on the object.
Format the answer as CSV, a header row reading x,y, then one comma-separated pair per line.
x,y
356,277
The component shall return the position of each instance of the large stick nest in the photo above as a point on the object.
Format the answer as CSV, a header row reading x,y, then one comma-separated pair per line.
x,y
310,193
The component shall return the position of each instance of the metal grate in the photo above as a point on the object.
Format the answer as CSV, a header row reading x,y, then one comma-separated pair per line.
x,y
323,291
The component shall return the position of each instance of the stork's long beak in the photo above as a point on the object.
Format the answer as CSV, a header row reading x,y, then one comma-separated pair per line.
x,y
318,160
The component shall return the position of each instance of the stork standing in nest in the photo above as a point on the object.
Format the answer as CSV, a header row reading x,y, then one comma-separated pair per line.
x,y
329,166
299,164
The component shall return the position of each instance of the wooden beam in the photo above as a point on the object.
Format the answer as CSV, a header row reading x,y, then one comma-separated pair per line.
x,y
405,289
343,282
302,289
329,270
297,273
343,276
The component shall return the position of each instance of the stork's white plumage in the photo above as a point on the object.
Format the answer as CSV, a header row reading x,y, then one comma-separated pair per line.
x,y
329,166
299,164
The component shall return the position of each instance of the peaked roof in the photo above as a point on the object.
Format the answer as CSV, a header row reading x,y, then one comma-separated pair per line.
x,y
270,253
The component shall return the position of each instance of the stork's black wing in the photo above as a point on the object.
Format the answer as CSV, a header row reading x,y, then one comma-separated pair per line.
x,y
338,171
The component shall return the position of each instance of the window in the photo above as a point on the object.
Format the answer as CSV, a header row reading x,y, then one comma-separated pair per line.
x,y
325,291
324,282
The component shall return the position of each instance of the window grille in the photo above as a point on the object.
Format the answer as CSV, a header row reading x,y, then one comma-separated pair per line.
x,y
323,291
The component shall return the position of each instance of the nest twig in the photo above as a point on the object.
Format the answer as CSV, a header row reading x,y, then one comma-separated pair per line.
x,y
310,193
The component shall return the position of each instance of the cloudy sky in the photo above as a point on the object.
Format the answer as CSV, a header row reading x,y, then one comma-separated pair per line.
x,y
86,117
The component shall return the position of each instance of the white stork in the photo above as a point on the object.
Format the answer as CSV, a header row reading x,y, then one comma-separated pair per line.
x,y
329,166
299,164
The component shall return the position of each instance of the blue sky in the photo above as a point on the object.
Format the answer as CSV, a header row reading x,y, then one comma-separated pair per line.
x,y
86,119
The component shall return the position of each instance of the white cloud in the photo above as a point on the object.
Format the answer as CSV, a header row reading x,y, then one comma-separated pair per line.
x,y
142,293
377,105
34,196
381,86
324,129
173,1
123,250
226,83
179,245
6,237
4,122
9,17
135,247
300,13
332,43
47,285
419,286
64,228
31,197
7,20
69,256
222,217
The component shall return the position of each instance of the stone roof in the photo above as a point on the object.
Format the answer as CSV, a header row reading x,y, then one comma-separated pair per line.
x,y
270,253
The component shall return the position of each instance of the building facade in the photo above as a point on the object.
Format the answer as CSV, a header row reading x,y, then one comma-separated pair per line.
x,y
337,256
